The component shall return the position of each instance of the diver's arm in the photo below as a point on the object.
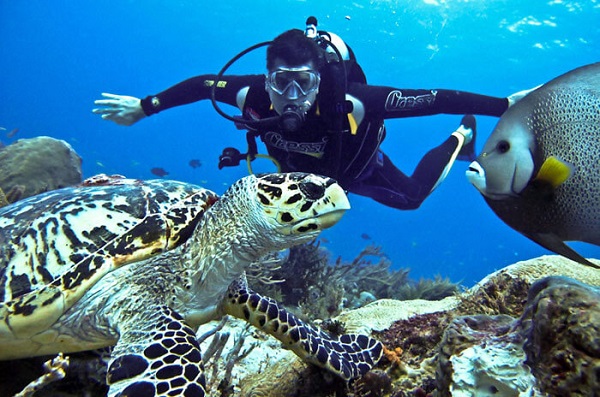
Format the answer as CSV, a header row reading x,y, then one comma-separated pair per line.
x,y
127,110
389,102
196,89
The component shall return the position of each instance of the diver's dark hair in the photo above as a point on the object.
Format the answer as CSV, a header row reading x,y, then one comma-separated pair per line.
x,y
294,48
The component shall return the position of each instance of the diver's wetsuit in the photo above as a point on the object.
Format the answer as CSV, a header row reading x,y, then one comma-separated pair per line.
x,y
360,166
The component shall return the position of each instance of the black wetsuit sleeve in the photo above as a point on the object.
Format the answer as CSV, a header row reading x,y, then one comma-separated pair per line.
x,y
388,102
196,89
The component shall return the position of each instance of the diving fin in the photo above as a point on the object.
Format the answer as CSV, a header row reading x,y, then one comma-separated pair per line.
x,y
467,152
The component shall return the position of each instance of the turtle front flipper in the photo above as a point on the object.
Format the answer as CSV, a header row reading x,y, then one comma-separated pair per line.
x,y
348,356
164,360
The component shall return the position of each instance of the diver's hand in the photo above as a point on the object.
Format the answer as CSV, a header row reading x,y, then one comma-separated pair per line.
x,y
517,96
121,109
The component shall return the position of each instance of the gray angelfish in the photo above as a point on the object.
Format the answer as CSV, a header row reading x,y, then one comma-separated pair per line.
x,y
540,169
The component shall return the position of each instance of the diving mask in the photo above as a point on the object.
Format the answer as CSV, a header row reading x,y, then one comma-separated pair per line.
x,y
293,82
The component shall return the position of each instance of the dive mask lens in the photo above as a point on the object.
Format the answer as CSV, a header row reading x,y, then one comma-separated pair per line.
x,y
282,80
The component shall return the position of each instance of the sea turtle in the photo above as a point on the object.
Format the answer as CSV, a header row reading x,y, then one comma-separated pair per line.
x,y
139,265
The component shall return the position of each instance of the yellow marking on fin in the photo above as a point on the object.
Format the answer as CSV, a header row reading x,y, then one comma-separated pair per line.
x,y
554,171
353,124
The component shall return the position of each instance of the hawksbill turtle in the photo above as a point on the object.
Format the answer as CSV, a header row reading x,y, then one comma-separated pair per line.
x,y
139,265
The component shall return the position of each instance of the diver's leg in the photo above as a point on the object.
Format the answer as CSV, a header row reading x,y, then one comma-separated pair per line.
x,y
436,164
390,186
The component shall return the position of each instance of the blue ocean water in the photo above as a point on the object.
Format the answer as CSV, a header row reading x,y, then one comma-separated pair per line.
x,y
58,56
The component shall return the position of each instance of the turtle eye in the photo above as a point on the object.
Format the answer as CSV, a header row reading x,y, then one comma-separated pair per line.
x,y
312,190
503,146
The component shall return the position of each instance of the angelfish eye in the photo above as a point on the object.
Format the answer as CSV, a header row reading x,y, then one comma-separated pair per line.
x,y
503,146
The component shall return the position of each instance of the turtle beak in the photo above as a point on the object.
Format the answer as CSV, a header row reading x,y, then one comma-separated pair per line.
x,y
342,205
329,211
328,220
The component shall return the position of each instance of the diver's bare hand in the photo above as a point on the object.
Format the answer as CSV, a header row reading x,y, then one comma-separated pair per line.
x,y
121,109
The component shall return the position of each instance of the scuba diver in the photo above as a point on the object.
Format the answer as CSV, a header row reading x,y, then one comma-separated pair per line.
x,y
315,112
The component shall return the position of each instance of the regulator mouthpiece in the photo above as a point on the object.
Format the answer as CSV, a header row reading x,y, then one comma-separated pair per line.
x,y
292,118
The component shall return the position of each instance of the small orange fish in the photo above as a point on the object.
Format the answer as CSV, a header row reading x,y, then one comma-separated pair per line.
x,y
159,171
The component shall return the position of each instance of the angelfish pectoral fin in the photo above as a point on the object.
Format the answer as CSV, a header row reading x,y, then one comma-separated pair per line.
x,y
553,243
554,171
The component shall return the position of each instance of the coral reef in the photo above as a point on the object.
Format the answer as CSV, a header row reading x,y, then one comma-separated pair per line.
x,y
551,349
318,289
503,294
516,333
561,324
32,166
480,343
383,313
482,355
428,289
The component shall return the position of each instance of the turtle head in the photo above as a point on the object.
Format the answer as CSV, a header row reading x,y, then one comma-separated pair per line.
x,y
290,208
257,215
299,203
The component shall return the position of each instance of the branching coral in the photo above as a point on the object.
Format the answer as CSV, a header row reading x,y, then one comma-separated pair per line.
x,y
428,289
310,287
319,289
54,369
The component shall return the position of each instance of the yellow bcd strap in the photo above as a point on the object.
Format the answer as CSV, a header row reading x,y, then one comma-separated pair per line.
x,y
262,156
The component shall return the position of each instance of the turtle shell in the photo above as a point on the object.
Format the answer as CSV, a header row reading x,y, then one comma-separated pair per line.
x,y
56,245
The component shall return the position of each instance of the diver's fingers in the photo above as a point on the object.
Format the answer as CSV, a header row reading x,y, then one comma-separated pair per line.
x,y
113,96
115,100
108,102
106,111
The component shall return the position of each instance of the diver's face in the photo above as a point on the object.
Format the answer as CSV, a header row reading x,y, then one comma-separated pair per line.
x,y
292,85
